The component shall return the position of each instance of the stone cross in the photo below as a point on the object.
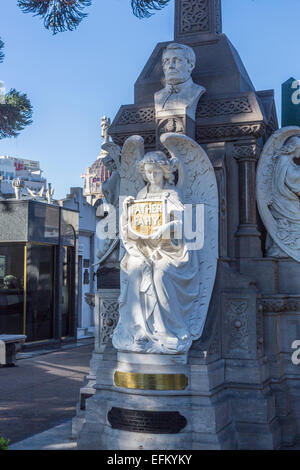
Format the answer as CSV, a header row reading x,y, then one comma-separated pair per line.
x,y
201,18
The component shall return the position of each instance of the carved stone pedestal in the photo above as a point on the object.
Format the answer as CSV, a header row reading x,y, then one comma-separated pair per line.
x,y
157,403
106,317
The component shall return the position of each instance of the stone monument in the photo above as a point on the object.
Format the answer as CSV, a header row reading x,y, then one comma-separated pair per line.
x,y
232,384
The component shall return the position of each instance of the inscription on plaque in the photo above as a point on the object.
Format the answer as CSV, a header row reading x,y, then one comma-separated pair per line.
x,y
150,381
146,216
155,422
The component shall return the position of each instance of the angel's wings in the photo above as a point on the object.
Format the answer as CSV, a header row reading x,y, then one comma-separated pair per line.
x,y
198,185
113,152
196,178
131,180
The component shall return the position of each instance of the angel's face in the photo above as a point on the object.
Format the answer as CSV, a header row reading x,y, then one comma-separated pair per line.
x,y
176,67
154,174
109,163
297,150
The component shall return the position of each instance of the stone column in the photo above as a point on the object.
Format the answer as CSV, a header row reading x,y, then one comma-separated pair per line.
x,y
249,245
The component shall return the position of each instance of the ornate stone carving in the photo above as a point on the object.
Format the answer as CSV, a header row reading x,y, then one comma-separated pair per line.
x,y
109,315
149,138
236,323
223,107
90,299
136,116
206,108
194,16
208,133
171,125
247,150
281,305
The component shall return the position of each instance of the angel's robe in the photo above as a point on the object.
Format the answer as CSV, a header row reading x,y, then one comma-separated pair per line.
x,y
285,206
159,289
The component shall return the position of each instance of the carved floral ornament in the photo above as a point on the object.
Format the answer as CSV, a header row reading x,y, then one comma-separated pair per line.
x,y
194,16
246,150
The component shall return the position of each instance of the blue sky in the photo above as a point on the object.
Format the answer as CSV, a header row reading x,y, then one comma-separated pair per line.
x,y
74,78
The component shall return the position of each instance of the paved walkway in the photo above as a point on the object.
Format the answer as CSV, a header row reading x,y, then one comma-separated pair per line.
x,y
38,399
42,391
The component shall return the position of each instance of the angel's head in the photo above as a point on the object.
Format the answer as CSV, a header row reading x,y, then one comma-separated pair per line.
x,y
109,162
156,169
291,147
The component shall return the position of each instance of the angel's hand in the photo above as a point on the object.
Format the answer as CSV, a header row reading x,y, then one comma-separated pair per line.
x,y
156,235
126,202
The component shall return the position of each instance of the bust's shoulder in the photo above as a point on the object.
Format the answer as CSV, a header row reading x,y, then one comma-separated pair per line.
x,y
160,93
197,89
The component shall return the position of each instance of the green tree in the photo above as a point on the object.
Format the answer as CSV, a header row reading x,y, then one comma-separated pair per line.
x,y
4,443
63,15
15,110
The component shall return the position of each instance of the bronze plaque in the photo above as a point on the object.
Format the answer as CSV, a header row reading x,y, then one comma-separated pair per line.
x,y
154,422
150,381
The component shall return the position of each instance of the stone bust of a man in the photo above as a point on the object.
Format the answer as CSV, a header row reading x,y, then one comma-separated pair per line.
x,y
181,94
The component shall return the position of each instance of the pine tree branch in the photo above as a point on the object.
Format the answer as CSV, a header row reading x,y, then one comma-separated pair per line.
x,y
15,114
142,8
1,51
63,15
58,15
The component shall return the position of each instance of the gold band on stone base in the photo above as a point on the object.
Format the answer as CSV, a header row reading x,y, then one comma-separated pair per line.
x,y
150,381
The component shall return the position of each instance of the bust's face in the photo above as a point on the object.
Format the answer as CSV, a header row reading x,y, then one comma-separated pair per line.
x,y
176,67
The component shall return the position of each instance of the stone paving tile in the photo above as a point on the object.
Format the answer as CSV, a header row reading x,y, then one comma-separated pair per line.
x,y
42,392
57,438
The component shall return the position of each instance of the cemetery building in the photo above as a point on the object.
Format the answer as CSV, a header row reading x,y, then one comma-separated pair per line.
x,y
28,171
87,247
94,177
38,271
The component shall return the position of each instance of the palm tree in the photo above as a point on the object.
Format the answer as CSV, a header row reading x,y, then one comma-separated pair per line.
x,y
63,15
15,110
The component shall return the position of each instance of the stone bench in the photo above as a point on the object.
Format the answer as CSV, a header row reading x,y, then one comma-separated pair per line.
x,y
9,345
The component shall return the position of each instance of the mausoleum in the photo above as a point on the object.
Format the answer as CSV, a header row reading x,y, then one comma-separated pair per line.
x,y
219,374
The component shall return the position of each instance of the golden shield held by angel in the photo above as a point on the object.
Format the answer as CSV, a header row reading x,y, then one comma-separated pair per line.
x,y
146,216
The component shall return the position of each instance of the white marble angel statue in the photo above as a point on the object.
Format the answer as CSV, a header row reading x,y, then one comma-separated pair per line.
x,y
278,192
166,282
